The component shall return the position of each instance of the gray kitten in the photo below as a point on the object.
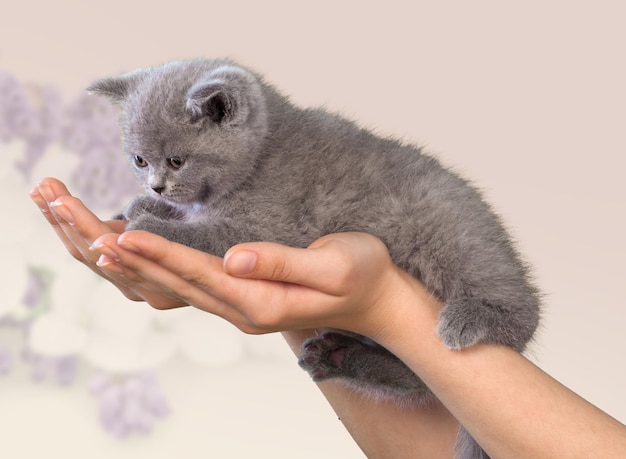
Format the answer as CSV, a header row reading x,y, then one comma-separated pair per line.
x,y
224,159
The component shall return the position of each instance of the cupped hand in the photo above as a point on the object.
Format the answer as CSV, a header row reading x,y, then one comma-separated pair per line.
x,y
77,227
340,281
343,280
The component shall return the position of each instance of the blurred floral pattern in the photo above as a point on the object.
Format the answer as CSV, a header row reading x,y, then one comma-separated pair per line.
x,y
56,317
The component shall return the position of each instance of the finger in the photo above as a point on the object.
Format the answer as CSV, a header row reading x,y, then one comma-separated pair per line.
x,y
52,193
164,267
57,187
74,224
60,209
252,305
328,265
43,196
117,226
78,227
133,286
41,202
172,257
189,272
275,262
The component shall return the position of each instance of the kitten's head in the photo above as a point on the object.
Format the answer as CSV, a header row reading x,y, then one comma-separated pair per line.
x,y
192,130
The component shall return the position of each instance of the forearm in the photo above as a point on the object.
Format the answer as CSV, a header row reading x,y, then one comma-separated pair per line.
x,y
510,406
514,409
383,429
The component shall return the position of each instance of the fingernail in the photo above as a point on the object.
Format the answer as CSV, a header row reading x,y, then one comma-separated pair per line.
x,y
36,196
127,245
240,262
62,211
103,249
46,192
109,265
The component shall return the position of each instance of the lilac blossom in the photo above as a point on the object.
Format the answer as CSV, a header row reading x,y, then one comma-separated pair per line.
x,y
6,360
39,281
86,127
103,177
20,119
12,97
49,121
129,405
61,369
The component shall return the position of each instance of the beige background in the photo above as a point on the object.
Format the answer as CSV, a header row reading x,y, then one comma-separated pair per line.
x,y
528,100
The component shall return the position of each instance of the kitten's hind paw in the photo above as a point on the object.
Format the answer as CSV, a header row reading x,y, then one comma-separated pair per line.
x,y
363,364
322,356
463,323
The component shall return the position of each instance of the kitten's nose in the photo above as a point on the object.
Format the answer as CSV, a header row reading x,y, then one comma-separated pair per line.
x,y
158,189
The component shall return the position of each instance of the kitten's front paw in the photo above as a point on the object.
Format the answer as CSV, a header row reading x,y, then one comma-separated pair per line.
x,y
144,204
151,224
139,206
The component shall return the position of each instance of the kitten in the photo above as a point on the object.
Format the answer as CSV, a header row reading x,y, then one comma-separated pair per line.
x,y
224,159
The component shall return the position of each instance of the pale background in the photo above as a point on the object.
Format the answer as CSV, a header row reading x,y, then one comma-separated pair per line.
x,y
526,99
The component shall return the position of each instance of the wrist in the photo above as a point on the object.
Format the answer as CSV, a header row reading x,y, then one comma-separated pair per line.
x,y
406,315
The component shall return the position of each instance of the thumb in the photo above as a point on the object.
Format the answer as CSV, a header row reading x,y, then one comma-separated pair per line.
x,y
312,267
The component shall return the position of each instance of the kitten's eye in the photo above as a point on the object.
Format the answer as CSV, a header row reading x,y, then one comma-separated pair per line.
x,y
176,162
140,162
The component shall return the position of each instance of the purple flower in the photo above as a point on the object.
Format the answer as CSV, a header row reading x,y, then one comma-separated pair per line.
x,y
20,119
39,282
90,122
16,111
103,178
62,369
87,127
51,113
6,360
40,128
13,98
129,405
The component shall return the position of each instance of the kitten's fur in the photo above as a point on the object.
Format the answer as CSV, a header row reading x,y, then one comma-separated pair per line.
x,y
224,158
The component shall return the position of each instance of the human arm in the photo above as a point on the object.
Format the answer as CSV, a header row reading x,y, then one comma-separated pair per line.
x,y
509,405
381,429
347,281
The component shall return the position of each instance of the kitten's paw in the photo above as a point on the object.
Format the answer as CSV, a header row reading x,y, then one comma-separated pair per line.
x,y
139,206
151,224
364,365
463,323
144,205
322,356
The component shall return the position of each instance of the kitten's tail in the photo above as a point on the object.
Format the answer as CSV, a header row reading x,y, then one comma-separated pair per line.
x,y
467,448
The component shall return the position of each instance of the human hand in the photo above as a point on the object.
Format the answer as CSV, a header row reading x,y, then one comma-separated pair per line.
x,y
77,227
340,281
344,280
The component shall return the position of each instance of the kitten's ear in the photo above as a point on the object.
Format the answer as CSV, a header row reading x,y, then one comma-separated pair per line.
x,y
115,88
215,100
211,101
224,97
